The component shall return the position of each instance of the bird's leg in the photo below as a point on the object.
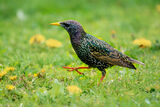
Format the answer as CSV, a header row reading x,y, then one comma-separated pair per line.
x,y
103,75
76,69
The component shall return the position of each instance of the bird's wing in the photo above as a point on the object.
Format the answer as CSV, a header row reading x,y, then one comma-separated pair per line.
x,y
106,53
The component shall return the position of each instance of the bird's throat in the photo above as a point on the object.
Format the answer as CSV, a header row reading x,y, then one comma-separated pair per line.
x,y
76,36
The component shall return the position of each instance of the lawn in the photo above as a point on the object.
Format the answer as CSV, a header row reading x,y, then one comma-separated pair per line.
x,y
33,73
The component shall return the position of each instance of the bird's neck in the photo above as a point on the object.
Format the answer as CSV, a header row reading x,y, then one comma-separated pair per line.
x,y
77,36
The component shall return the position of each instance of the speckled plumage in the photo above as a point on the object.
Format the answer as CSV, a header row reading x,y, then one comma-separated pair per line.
x,y
94,52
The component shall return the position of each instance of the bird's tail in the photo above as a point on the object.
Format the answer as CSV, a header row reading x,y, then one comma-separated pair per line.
x,y
135,61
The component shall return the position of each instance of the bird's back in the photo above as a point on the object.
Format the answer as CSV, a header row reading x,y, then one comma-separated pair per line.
x,y
95,52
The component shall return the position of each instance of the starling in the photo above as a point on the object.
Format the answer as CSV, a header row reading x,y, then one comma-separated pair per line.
x,y
92,51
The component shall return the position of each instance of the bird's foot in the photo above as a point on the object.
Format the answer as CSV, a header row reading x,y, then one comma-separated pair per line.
x,y
76,69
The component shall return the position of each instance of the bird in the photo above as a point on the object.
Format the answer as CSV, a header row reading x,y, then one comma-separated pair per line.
x,y
94,52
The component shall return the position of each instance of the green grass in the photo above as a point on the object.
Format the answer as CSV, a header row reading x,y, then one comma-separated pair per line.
x,y
121,86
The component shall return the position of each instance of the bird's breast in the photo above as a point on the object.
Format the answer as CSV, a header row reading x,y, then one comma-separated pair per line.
x,y
83,52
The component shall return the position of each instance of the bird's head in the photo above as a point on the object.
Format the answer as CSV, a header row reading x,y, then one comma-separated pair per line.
x,y
71,26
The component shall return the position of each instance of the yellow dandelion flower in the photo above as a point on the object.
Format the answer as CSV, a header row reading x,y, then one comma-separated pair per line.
x,y
13,77
3,73
158,8
9,69
143,43
74,89
38,38
154,57
53,43
147,89
29,74
42,70
10,87
157,87
113,32
35,75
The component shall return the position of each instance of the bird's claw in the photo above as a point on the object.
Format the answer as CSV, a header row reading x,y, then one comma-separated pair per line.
x,y
73,69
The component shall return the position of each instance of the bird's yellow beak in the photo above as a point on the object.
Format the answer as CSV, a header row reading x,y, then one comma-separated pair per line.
x,y
56,24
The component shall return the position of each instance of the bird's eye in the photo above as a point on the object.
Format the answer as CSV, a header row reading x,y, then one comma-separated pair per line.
x,y
66,25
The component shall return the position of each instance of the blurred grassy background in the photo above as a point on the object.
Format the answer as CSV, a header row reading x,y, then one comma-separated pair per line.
x,y
21,19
